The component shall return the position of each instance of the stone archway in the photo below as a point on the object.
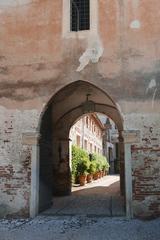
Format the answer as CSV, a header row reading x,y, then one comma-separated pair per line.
x,y
64,108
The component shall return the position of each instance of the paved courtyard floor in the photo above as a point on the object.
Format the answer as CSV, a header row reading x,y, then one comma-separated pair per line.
x,y
99,198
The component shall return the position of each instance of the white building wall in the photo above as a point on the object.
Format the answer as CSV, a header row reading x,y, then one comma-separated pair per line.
x,y
90,134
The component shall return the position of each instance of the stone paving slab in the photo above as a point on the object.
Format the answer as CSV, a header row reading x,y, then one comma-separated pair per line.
x,y
88,206
118,206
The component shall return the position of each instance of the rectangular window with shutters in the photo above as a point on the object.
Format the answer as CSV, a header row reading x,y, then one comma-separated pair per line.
x,y
80,15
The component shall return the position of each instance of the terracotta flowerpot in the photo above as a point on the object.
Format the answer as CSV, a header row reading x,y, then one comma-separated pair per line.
x,y
95,176
99,174
82,180
89,178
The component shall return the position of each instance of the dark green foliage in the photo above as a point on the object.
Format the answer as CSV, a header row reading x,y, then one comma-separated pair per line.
x,y
101,161
84,163
78,157
93,167
83,167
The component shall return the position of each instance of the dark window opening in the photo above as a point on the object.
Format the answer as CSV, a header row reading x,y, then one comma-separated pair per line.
x,y
80,15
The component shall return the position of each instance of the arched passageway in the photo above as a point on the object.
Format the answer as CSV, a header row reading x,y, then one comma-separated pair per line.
x,y
66,106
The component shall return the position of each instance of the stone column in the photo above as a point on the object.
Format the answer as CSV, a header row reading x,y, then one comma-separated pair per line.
x,y
129,137
62,172
32,139
122,167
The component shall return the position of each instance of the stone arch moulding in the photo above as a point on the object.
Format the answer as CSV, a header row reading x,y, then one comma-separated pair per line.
x,y
74,85
60,106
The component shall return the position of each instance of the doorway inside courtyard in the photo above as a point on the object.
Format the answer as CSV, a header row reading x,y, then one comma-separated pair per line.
x,y
79,120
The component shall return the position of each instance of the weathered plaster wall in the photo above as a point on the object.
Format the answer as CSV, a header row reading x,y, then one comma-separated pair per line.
x,y
146,164
15,161
36,60
34,55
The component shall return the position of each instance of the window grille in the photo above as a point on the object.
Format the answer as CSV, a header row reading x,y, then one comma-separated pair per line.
x,y
80,15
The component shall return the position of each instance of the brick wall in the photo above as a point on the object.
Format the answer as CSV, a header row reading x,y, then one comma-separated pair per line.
x,y
15,187
15,161
146,166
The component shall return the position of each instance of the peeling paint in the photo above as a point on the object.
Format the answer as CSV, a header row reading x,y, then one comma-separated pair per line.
x,y
153,98
135,24
152,84
92,54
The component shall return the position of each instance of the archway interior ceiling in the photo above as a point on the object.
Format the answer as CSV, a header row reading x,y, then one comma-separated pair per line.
x,y
74,95
67,104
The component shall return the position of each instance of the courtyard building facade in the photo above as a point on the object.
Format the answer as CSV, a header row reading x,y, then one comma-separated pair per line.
x,y
87,133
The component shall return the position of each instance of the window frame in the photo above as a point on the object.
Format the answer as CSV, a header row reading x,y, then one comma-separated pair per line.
x,y
66,29
80,20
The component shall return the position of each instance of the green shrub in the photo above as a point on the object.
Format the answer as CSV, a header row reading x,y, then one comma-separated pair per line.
x,y
83,167
78,156
93,167
93,157
83,163
102,163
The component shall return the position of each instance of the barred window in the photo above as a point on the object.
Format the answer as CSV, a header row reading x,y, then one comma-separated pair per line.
x,y
80,15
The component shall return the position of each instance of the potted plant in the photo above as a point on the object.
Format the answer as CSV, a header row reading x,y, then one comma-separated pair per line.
x,y
78,155
105,168
99,169
82,171
95,173
91,171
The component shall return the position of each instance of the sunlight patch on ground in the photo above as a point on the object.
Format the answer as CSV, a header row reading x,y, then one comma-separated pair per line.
x,y
102,182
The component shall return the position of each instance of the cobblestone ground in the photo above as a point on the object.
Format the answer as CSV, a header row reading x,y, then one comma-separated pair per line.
x,y
79,228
